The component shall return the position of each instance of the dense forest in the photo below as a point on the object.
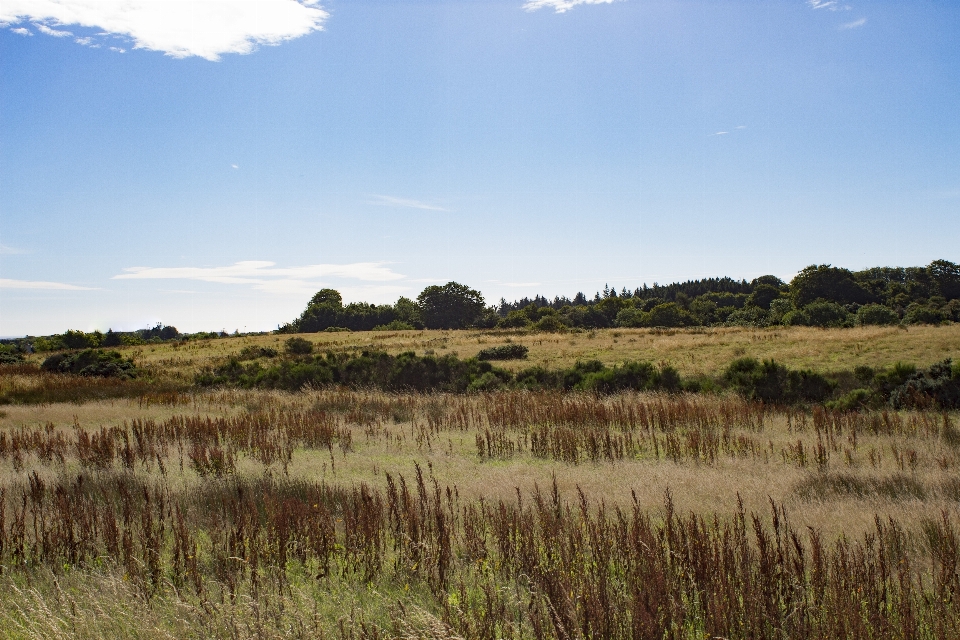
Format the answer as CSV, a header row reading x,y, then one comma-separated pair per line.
x,y
820,296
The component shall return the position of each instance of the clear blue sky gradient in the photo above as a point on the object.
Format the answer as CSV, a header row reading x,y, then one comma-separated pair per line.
x,y
556,153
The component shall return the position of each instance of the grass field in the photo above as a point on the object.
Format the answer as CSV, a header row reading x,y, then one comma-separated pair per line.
x,y
692,351
350,514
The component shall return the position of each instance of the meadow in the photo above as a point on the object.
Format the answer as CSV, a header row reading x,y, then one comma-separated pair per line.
x,y
150,508
692,351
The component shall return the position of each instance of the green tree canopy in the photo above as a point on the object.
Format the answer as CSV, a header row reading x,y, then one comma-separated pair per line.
x,y
451,306
827,283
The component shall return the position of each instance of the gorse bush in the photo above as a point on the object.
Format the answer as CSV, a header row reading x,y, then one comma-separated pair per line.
x,y
253,352
876,314
772,382
504,352
298,346
91,362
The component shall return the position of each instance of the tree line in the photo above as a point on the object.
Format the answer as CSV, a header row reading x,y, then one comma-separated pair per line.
x,y
819,296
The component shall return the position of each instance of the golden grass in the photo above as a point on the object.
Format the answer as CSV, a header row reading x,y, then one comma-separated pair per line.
x,y
905,467
381,444
692,351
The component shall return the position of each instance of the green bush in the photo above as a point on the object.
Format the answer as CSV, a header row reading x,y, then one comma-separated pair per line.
x,y
298,346
876,314
749,317
549,324
514,320
669,315
504,352
635,376
252,352
396,325
91,362
826,314
10,354
937,386
631,317
923,314
774,383
853,401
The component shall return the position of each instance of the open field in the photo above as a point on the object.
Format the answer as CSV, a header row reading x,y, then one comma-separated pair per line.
x,y
362,514
691,351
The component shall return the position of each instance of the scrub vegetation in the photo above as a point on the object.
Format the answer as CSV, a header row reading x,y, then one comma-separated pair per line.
x,y
536,479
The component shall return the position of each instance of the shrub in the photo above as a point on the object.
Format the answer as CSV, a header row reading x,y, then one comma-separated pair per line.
x,y
396,325
923,314
669,315
504,352
855,400
10,355
939,385
489,381
298,346
636,376
749,317
91,362
826,314
796,318
253,352
80,340
514,320
631,317
336,329
876,314
549,324
772,382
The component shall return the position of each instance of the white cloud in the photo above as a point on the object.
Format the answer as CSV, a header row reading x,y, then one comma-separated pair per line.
x,y
21,31
56,33
823,4
6,283
855,24
560,6
265,276
720,133
235,166
178,28
391,201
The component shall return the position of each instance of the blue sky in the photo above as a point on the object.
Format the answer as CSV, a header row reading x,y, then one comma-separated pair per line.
x,y
212,166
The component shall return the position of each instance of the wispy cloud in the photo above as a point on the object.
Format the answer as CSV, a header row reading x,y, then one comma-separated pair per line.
x,y
7,283
10,251
391,201
854,25
720,133
204,28
56,33
21,31
560,6
266,276
830,5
